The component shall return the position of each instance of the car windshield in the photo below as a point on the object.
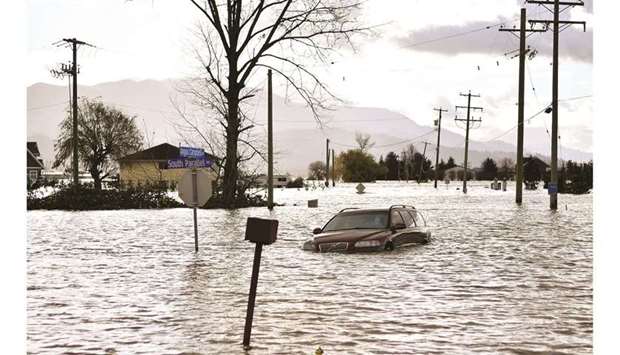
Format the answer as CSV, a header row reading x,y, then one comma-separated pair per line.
x,y
363,220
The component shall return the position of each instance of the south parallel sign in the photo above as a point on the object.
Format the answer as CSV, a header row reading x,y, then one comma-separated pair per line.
x,y
189,163
191,152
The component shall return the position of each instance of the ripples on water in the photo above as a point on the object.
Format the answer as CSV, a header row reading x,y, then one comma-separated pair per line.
x,y
496,278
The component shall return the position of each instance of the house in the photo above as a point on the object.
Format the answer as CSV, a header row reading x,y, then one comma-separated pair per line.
x,y
534,169
151,166
34,164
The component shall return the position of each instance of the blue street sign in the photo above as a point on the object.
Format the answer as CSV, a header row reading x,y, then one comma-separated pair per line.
x,y
189,152
552,188
189,163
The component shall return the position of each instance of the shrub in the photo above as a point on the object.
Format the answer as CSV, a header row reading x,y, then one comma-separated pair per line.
x,y
297,183
86,197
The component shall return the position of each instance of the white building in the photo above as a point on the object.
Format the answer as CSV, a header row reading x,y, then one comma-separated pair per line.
x,y
278,180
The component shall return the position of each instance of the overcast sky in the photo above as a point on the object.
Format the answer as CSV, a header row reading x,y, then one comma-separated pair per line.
x,y
410,67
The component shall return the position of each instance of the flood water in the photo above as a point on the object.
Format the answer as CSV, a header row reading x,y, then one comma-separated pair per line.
x,y
496,278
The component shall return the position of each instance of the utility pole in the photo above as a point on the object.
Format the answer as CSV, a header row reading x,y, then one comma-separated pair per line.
x,y
468,121
333,168
438,124
73,71
422,163
406,165
553,184
327,163
269,143
520,115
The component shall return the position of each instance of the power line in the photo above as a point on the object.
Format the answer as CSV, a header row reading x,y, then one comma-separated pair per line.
x,y
515,126
338,121
46,106
411,140
535,115
455,35
575,98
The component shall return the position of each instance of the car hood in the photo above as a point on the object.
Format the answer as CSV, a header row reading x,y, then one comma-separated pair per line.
x,y
349,235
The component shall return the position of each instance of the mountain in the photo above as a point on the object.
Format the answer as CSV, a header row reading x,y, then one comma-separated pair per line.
x,y
298,138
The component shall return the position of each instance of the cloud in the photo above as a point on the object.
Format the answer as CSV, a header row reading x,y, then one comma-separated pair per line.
x,y
483,37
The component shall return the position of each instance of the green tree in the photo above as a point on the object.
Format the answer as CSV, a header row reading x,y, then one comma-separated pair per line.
x,y
391,163
358,166
383,170
575,178
506,169
450,164
104,135
421,167
488,170
441,169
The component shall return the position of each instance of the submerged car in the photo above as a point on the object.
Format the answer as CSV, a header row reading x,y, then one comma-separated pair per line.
x,y
370,229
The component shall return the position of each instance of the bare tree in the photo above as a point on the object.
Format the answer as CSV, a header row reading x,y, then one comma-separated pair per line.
x,y
241,37
317,170
363,141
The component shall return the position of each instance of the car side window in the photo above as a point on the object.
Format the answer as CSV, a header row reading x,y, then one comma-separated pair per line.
x,y
408,218
396,218
414,216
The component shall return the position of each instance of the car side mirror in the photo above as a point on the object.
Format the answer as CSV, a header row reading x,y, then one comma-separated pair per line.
x,y
398,226
317,231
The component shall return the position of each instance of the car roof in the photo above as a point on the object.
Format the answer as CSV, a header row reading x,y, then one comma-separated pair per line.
x,y
366,210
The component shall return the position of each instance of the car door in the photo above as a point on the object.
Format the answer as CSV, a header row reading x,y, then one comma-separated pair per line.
x,y
399,236
405,236
416,231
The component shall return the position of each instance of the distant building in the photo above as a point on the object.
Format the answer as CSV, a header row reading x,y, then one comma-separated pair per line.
x,y
54,175
151,166
534,169
278,180
34,164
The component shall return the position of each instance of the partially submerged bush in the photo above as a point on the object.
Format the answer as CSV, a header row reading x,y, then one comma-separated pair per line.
x,y
86,197
247,200
297,183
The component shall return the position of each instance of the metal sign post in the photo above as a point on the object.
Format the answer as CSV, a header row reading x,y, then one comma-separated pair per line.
x,y
195,200
258,231
195,190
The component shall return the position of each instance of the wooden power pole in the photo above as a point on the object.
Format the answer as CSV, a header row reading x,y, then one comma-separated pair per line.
x,y
327,163
333,168
520,116
557,27
72,71
438,124
468,121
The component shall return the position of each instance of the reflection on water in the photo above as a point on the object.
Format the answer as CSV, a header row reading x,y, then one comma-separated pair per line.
x,y
497,278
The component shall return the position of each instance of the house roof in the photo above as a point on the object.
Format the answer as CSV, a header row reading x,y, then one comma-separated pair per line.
x,y
32,161
535,160
33,148
164,151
